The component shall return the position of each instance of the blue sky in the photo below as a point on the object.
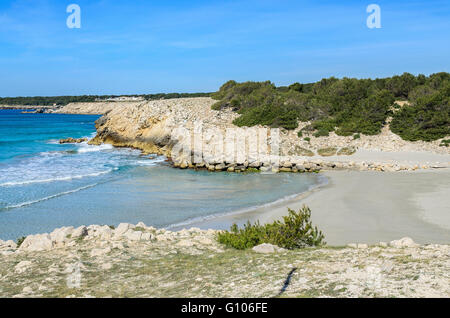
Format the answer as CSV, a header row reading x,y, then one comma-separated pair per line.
x,y
137,47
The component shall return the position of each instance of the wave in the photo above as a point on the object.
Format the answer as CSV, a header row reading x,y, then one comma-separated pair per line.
x,y
9,207
323,181
68,178
84,148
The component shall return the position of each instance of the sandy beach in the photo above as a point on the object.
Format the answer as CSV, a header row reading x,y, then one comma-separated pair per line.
x,y
368,207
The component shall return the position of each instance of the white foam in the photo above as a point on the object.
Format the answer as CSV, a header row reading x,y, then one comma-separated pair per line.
x,y
49,197
67,178
84,148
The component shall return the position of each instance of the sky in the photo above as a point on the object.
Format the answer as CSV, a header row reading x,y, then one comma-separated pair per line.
x,y
144,47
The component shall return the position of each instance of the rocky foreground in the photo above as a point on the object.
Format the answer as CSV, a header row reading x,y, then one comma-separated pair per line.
x,y
141,261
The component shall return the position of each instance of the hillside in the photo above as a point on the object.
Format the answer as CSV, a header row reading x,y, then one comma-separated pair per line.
x,y
345,106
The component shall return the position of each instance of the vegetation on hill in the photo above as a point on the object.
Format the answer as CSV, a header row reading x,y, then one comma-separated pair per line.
x,y
64,100
296,231
347,106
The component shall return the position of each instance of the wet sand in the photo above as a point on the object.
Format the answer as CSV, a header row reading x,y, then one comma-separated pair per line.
x,y
368,207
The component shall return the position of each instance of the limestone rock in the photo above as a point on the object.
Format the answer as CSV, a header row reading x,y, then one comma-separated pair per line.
x,y
61,235
132,235
122,229
267,248
403,242
100,251
36,243
22,267
80,232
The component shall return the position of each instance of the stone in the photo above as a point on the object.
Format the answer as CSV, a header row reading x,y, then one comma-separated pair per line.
x,y
205,241
185,243
142,225
36,243
80,232
352,245
72,140
122,229
403,242
266,248
10,244
362,245
22,267
107,266
146,236
62,235
27,290
132,235
100,251
105,232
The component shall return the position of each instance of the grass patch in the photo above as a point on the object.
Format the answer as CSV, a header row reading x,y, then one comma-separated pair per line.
x,y
300,151
346,151
326,152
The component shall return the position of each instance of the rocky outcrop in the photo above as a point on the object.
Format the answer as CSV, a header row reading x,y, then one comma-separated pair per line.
x,y
71,140
142,261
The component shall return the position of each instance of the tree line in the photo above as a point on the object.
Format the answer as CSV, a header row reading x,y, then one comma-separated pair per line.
x,y
347,106
64,100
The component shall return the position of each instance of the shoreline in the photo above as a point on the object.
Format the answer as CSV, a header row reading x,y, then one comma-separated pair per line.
x,y
398,208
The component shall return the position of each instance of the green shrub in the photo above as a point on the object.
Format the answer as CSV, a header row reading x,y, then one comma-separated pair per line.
x,y
307,139
347,106
20,241
428,118
356,136
321,133
295,231
445,143
300,134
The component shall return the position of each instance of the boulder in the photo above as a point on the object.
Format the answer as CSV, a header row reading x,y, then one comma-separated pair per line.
x,y
36,243
403,242
185,243
267,248
61,235
132,235
122,229
100,251
80,232
8,244
71,140
22,267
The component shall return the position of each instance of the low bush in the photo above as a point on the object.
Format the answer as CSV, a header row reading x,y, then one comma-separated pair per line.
x,y
20,241
295,231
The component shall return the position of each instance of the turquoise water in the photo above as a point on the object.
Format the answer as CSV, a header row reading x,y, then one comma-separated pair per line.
x,y
44,185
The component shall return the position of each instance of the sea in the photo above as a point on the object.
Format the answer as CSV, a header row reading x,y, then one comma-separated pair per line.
x,y
45,185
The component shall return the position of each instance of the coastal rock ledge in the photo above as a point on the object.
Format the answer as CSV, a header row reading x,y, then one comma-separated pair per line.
x,y
142,261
